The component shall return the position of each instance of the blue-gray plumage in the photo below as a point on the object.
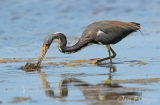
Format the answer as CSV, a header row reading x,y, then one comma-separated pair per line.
x,y
103,32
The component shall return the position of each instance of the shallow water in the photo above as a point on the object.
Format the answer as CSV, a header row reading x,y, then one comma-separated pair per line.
x,y
71,79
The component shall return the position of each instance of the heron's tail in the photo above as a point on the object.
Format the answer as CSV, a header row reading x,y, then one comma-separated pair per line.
x,y
137,26
136,23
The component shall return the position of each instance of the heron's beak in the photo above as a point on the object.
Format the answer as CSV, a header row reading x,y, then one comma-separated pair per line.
x,y
44,50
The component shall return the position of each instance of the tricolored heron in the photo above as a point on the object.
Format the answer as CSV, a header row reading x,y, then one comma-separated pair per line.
x,y
102,32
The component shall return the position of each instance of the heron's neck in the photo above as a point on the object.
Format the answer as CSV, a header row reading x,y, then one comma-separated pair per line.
x,y
70,49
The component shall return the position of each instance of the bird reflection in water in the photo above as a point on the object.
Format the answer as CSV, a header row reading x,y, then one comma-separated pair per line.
x,y
103,92
48,91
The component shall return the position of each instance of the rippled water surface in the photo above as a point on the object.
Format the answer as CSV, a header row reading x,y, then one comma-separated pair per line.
x,y
69,79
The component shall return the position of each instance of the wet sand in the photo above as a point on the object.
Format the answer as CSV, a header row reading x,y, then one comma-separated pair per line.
x,y
71,79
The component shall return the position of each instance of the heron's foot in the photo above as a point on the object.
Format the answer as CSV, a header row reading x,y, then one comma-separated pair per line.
x,y
108,82
95,62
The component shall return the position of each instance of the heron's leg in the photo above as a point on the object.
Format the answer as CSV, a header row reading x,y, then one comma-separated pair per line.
x,y
110,57
108,47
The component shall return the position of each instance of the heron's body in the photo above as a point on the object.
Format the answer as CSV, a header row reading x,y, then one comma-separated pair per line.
x,y
103,32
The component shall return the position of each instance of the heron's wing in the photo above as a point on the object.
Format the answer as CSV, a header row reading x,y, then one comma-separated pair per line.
x,y
113,32
119,27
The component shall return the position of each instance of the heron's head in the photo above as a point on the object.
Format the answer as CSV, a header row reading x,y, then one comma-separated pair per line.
x,y
47,42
